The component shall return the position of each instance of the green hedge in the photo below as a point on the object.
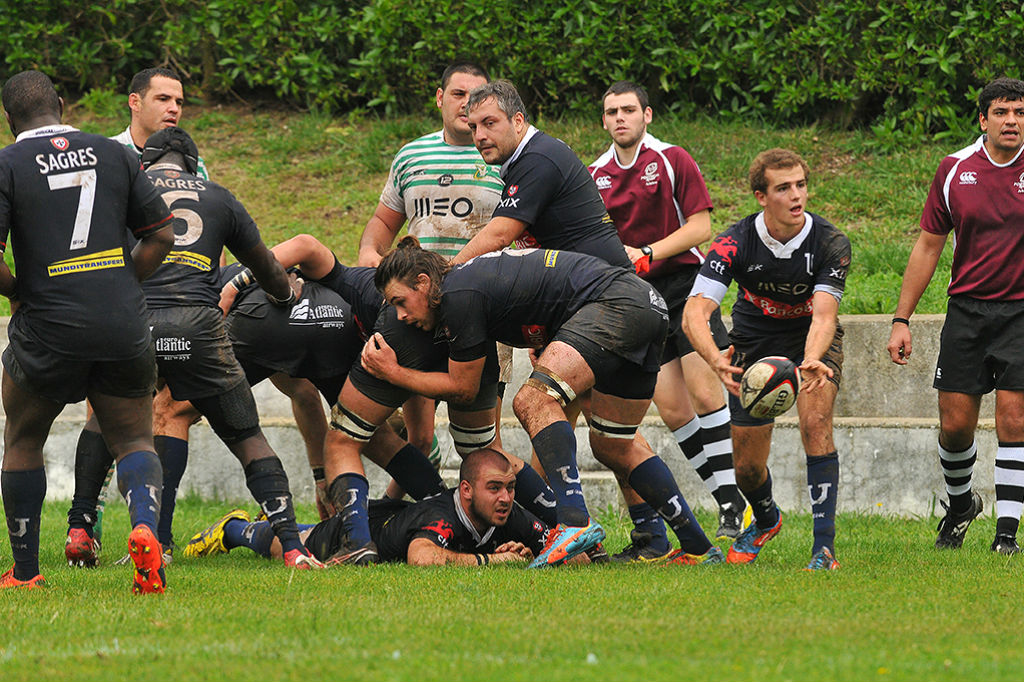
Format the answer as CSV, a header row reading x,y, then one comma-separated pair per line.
x,y
908,68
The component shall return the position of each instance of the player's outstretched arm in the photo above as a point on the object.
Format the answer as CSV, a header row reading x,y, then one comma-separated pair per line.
x,y
495,236
378,235
151,250
269,274
924,257
423,552
696,316
307,253
694,232
824,319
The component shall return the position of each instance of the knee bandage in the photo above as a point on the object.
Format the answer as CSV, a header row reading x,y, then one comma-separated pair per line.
x,y
468,439
232,415
351,424
609,429
546,381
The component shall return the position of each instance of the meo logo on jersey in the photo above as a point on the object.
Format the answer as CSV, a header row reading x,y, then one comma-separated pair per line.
x,y
968,178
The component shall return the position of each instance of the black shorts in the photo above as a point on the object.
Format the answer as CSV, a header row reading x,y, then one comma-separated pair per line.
x,y
675,288
621,336
326,537
193,352
749,351
38,371
329,387
980,347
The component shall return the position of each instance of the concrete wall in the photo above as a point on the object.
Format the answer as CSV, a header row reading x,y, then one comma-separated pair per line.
x,y
886,429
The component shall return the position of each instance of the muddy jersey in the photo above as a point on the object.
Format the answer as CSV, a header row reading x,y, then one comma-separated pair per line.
x,y
982,203
355,285
442,520
211,218
314,338
776,281
446,192
125,138
651,197
519,298
71,203
548,188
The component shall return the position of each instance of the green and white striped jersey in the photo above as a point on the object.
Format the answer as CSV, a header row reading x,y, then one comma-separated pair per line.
x,y
446,193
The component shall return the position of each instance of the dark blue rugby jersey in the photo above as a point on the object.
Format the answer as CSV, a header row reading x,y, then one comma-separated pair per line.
x,y
548,188
442,521
211,218
71,203
519,298
777,282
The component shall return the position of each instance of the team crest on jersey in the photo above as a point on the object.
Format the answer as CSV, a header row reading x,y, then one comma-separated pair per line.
x,y
604,182
1019,184
650,175
444,531
481,171
173,174
968,178
60,143
446,180
512,189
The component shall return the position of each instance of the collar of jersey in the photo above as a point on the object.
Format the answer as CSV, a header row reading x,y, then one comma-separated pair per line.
x,y
45,131
778,249
981,143
530,132
469,524
647,140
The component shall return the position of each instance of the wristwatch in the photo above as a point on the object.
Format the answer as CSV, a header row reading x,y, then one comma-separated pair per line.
x,y
647,251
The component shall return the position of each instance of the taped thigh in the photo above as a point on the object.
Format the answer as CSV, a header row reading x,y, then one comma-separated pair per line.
x,y
351,424
606,428
470,438
549,383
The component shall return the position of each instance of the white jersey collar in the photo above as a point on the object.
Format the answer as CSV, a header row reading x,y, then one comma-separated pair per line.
x,y
469,524
778,249
530,132
45,131
645,141
981,143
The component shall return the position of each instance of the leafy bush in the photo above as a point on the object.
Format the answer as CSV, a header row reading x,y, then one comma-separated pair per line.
x,y
910,69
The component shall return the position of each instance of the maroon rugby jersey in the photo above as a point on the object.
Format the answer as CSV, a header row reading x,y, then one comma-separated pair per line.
x,y
982,202
650,198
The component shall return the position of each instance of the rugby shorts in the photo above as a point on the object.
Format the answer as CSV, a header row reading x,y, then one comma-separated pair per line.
x,y
193,352
749,351
39,371
980,347
621,336
675,289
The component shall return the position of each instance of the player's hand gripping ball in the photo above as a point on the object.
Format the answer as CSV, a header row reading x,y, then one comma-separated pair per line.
x,y
769,387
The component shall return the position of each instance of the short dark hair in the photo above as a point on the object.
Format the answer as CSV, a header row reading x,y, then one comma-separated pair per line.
x,y
623,87
406,262
141,80
28,94
773,159
472,463
504,93
465,66
1009,89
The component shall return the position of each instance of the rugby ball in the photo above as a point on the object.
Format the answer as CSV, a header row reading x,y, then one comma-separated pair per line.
x,y
769,387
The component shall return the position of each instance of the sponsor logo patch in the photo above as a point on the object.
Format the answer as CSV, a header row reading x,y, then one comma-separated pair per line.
x,y
604,182
60,143
968,178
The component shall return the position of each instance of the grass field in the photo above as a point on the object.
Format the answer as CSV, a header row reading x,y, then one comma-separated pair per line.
x,y
897,610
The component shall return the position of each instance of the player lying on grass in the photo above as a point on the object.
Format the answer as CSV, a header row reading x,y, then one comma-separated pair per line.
x,y
475,524
600,326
